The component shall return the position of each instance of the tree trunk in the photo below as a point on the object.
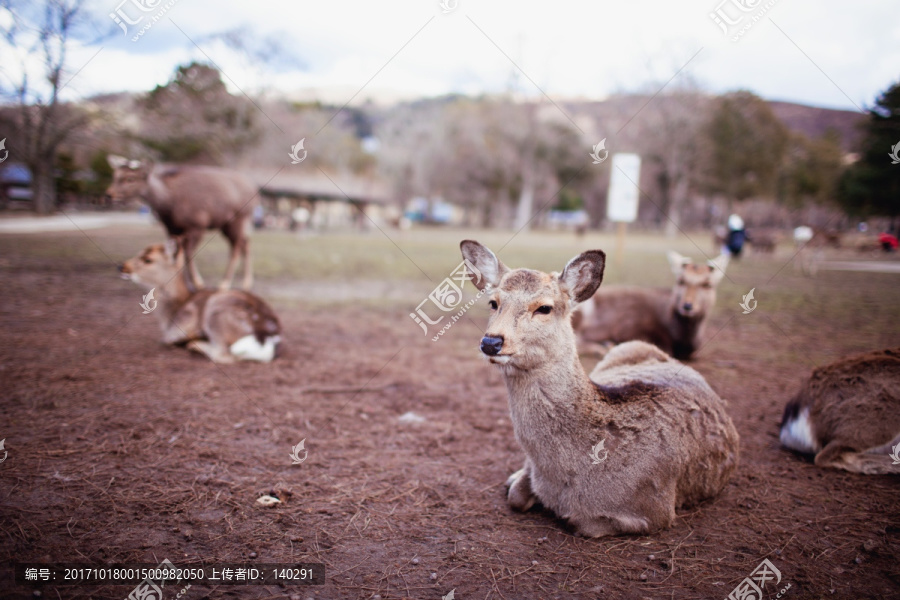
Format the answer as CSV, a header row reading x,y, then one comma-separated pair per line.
x,y
44,188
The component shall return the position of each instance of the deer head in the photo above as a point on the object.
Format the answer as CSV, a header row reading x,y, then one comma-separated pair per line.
x,y
156,266
530,322
694,293
129,178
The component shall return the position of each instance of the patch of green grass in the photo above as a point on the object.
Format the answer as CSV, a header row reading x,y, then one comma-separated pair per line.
x,y
862,306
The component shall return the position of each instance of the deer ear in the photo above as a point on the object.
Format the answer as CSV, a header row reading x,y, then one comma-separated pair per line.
x,y
583,274
486,270
717,268
677,261
115,161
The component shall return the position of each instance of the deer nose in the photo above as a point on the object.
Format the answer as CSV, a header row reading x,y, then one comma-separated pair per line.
x,y
491,345
121,267
687,307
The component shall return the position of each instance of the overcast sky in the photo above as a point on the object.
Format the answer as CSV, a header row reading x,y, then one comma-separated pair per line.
x,y
829,53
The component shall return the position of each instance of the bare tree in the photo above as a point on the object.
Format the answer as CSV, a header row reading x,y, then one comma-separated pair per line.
x,y
40,121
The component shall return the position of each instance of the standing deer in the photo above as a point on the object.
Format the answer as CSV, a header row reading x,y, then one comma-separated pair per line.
x,y
847,414
188,200
667,439
225,325
671,319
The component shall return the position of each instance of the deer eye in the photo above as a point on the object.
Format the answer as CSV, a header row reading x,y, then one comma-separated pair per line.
x,y
544,310
147,261
493,304
706,285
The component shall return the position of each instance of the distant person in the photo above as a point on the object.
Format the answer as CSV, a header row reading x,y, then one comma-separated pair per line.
x,y
259,217
888,242
736,236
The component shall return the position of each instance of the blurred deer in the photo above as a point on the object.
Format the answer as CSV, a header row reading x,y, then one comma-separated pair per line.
x,y
847,414
667,440
224,325
672,319
188,200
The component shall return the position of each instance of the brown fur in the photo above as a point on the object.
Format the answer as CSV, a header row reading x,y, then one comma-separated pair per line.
x,y
188,200
672,319
207,321
669,439
853,410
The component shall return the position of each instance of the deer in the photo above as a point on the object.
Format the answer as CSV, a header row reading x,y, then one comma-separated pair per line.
x,y
672,319
665,436
846,415
188,200
224,325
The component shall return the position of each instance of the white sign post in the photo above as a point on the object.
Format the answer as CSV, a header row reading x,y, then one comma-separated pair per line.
x,y
622,200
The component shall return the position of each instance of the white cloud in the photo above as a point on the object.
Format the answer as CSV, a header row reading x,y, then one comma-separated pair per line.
x,y
568,48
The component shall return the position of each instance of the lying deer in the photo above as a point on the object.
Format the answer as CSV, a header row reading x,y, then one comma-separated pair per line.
x,y
671,319
188,200
225,325
848,414
667,439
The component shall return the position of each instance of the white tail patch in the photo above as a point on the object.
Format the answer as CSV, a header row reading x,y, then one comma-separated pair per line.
x,y
249,348
797,434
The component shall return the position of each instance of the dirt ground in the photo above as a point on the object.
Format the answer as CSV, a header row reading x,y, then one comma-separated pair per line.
x,y
121,450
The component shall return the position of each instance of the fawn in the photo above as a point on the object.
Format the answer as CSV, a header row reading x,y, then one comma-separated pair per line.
x,y
225,325
667,438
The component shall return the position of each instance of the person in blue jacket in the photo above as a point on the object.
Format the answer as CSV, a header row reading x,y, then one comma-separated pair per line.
x,y
737,235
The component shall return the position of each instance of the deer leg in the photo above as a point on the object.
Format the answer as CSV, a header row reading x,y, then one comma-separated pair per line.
x,y
247,263
190,241
232,263
214,352
838,456
520,495
235,231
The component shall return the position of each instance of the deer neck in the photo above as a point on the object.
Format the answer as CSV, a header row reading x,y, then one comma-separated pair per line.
x,y
172,296
155,193
682,328
548,402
